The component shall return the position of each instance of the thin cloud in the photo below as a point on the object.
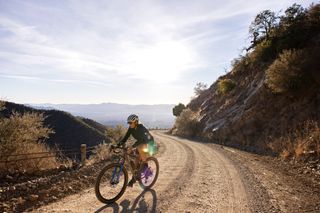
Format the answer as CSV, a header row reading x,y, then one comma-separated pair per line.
x,y
113,44
35,78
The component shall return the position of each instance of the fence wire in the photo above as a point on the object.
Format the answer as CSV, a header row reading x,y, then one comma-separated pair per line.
x,y
66,152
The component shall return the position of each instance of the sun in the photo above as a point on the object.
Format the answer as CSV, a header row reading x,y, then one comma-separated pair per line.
x,y
162,62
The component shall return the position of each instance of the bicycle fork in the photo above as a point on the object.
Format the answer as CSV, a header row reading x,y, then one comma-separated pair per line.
x,y
116,174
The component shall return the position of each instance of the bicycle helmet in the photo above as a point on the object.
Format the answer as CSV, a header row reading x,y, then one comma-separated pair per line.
x,y
133,118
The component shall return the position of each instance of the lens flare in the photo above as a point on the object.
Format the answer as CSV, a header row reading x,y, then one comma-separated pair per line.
x,y
145,149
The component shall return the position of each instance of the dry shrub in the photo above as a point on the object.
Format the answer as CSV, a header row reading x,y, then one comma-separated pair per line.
x,y
100,153
187,124
240,64
262,52
2,107
225,86
287,71
303,142
285,154
24,134
116,133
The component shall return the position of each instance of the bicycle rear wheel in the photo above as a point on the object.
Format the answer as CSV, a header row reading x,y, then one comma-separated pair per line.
x,y
149,174
111,183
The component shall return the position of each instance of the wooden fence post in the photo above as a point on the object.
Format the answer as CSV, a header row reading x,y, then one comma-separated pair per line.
x,y
83,149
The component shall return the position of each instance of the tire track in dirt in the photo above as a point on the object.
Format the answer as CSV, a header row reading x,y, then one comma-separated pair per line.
x,y
238,201
215,184
168,196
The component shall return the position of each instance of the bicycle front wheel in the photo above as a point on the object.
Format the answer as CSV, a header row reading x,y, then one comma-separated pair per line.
x,y
111,183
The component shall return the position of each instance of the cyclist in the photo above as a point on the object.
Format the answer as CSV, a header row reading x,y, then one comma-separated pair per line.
x,y
143,136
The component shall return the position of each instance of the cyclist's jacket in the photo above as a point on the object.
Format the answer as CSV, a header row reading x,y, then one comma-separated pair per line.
x,y
140,133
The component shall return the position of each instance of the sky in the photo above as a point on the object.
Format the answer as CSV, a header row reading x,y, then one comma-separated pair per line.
x,y
131,52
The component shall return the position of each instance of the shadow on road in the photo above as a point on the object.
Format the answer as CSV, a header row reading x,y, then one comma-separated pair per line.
x,y
139,204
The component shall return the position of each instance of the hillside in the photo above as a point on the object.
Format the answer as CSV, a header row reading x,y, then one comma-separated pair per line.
x,y
94,124
271,97
70,131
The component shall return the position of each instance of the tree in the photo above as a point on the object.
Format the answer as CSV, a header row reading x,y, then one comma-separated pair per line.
x,y
199,88
178,109
261,27
293,13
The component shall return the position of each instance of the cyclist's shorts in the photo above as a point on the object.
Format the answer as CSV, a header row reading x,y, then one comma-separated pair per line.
x,y
143,151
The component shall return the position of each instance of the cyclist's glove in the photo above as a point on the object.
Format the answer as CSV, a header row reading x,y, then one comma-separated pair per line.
x,y
114,146
119,144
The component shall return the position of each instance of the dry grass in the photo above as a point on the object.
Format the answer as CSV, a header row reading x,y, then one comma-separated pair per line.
x,y
2,107
285,154
22,134
100,153
116,133
301,143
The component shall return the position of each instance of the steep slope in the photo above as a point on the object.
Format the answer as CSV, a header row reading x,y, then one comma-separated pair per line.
x,y
70,131
251,114
94,124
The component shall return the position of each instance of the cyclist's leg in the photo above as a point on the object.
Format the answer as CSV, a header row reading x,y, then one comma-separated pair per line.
x,y
142,153
141,158
133,178
135,168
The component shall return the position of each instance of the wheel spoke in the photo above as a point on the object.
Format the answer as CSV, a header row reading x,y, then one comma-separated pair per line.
x,y
111,183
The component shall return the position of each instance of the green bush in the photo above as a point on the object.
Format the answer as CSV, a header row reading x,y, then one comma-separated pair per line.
x,y
287,72
178,109
225,86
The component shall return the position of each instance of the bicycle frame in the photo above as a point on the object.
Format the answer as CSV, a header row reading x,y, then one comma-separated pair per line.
x,y
125,156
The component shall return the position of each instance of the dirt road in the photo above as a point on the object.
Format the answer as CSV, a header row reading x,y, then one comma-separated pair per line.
x,y
194,177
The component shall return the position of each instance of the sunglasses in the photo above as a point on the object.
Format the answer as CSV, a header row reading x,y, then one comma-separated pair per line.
x,y
130,122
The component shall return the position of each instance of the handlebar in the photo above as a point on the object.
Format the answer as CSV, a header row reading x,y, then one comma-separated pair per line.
x,y
114,148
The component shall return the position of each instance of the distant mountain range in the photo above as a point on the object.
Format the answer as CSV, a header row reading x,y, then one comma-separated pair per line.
x,y
159,115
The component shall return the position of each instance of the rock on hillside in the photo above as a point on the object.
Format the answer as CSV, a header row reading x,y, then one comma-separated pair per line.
x,y
250,112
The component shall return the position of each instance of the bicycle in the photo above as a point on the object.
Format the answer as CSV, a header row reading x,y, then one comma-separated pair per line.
x,y
114,177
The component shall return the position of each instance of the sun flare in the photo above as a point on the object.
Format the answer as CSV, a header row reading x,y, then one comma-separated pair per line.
x,y
163,62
